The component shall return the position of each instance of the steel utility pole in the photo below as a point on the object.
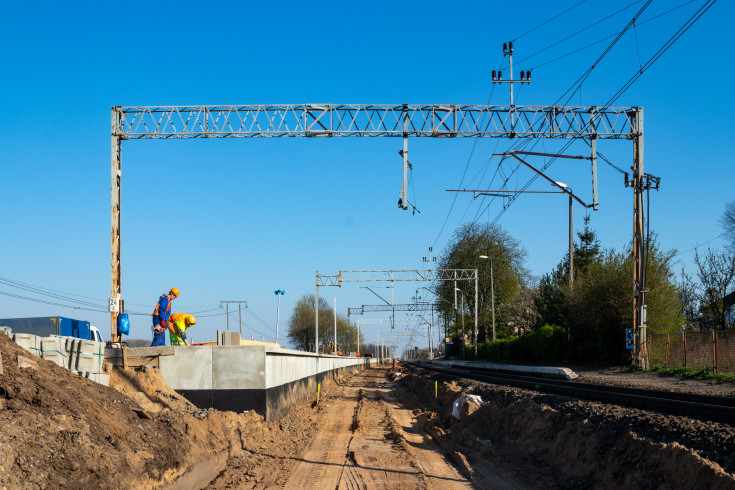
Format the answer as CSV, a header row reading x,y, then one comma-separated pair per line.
x,y
239,309
279,293
498,78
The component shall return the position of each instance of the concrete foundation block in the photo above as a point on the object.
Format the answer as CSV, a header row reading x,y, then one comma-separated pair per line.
x,y
100,378
53,344
85,362
87,346
55,357
28,341
71,351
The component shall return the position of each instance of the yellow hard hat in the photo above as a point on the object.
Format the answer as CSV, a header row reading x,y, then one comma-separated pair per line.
x,y
191,320
175,292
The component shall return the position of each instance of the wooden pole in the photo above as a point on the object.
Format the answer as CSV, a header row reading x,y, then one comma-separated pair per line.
x,y
714,351
684,346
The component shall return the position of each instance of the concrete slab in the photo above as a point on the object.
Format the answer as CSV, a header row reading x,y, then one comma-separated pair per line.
x,y
237,367
85,362
28,341
544,371
55,357
188,368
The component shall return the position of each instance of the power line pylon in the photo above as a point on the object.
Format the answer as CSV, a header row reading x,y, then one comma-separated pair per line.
x,y
239,310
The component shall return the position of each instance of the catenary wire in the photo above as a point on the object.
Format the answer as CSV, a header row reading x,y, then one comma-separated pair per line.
x,y
553,18
609,37
696,16
578,32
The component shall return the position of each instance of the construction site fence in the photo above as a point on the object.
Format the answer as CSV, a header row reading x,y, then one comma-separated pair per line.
x,y
695,350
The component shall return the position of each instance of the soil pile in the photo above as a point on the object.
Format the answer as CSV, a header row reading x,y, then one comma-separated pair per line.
x,y
572,443
58,430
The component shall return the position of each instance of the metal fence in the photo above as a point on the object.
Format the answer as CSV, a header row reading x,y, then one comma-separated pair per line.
x,y
714,350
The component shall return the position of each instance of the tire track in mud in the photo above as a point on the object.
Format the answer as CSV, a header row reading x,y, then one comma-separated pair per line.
x,y
364,444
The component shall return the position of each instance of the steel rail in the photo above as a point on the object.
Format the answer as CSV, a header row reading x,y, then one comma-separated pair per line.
x,y
703,407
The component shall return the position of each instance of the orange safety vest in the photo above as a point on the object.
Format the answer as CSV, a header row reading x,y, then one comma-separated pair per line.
x,y
180,317
168,306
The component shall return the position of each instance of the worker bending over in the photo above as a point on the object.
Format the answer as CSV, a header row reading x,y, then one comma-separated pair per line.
x,y
178,324
161,317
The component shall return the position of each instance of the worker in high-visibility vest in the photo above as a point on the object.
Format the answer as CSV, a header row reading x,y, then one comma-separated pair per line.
x,y
161,317
178,324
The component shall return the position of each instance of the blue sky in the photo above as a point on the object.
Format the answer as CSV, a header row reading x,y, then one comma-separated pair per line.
x,y
237,219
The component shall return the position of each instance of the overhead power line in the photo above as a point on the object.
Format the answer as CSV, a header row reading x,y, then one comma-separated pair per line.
x,y
553,18
578,32
609,37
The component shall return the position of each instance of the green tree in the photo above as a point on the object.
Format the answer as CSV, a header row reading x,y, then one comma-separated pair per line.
x,y
551,295
601,304
463,252
301,324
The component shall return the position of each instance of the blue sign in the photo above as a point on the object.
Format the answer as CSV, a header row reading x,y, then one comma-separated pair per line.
x,y
629,338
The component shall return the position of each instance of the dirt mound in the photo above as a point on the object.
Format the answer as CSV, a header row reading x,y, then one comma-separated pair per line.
x,y
58,430
149,390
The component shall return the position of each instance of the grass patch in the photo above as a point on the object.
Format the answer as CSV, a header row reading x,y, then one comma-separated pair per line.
x,y
706,374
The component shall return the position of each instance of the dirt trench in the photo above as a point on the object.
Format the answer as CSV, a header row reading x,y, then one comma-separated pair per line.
x,y
559,442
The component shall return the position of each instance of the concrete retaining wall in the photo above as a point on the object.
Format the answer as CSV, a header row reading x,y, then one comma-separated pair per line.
x,y
238,378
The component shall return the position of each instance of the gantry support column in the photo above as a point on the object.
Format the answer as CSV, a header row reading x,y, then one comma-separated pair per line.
x,y
115,293
316,317
640,355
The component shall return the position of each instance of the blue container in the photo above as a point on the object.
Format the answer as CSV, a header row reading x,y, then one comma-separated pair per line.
x,y
45,326
123,324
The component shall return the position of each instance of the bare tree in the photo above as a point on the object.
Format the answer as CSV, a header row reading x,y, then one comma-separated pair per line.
x,y
689,301
727,220
716,274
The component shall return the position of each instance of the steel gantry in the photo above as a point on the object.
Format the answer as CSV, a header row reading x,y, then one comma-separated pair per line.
x,y
398,275
380,120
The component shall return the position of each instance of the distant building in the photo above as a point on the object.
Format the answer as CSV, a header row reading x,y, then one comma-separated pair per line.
x,y
728,303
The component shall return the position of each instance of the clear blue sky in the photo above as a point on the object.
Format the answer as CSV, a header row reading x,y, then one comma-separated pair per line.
x,y
237,219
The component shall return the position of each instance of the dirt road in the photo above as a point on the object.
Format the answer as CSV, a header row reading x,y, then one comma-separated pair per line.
x,y
369,440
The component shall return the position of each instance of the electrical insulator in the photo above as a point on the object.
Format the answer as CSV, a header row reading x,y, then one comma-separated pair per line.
x,y
528,76
523,76
505,48
400,203
627,176
495,76
500,75
510,46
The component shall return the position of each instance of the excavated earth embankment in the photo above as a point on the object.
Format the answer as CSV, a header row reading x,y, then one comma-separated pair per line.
x,y
566,443
58,430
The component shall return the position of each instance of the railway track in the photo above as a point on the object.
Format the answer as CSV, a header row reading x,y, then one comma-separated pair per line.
x,y
703,407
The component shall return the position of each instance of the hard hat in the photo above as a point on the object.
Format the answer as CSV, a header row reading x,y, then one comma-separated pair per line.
x,y
191,320
175,292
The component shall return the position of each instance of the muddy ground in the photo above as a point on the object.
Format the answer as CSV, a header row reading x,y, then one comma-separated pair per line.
x,y
370,430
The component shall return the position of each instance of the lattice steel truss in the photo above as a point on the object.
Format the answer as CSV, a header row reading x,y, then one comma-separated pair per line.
x,y
399,307
430,120
400,275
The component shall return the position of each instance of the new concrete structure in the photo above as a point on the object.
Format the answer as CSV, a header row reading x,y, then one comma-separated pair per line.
x,y
250,377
